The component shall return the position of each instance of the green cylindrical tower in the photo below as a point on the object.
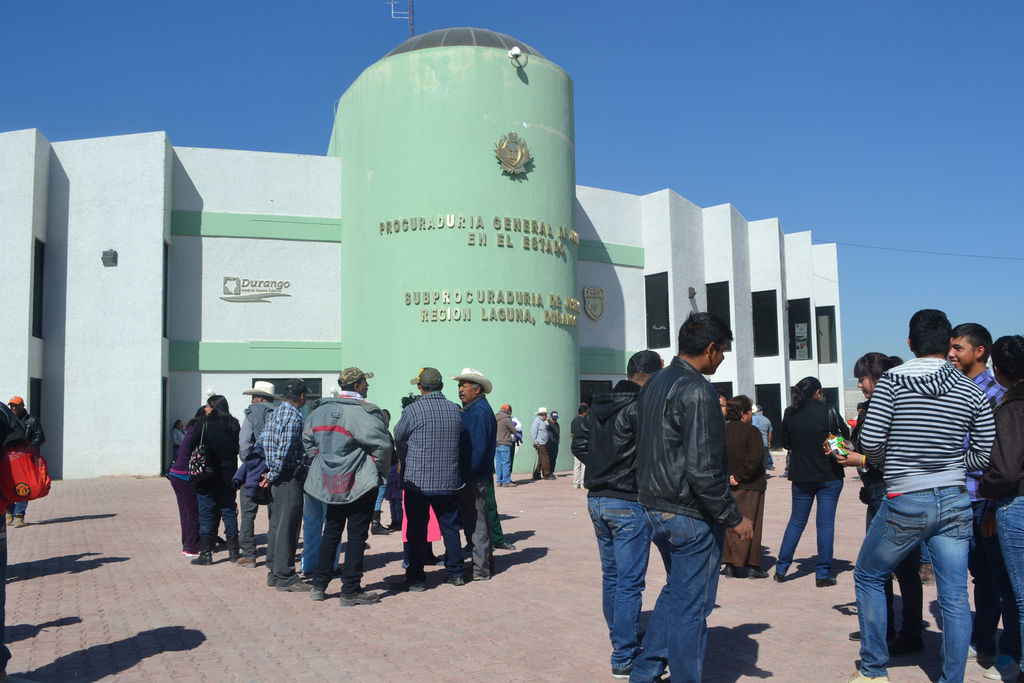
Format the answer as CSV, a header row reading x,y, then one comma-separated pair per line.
x,y
458,222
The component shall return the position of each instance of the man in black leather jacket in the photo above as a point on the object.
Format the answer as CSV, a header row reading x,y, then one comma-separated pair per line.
x,y
623,537
683,484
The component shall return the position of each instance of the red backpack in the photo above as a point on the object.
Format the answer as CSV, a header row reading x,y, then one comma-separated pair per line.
x,y
23,474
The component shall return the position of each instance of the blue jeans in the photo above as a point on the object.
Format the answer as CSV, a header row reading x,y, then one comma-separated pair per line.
x,y
993,593
1010,521
804,493
380,497
18,508
210,503
942,518
677,633
624,543
314,513
907,574
503,464
446,509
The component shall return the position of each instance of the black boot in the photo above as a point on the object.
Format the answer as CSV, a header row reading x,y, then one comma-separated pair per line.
x,y
205,550
232,548
375,527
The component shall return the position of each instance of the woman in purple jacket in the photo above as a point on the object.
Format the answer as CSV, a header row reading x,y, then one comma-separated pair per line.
x,y
188,506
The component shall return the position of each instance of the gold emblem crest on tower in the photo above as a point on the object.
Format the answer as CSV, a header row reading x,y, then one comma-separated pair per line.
x,y
513,153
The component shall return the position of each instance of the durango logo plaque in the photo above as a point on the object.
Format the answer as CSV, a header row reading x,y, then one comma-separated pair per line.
x,y
245,290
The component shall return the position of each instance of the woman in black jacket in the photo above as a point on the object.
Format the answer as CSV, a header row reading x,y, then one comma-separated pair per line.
x,y
805,427
218,432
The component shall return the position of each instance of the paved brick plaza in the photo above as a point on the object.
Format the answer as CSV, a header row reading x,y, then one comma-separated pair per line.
x,y
98,588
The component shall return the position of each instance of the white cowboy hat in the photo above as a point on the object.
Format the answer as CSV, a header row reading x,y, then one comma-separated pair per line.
x,y
542,411
471,375
261,389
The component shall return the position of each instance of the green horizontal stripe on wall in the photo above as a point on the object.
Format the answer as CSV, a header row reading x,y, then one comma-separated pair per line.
x,y
255,226
615,254
254,356
594,361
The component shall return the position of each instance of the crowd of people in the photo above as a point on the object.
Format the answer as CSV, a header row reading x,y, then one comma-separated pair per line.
x,y
333,467
942,480
668,463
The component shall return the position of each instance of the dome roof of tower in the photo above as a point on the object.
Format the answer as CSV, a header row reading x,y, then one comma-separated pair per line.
x,y
477,37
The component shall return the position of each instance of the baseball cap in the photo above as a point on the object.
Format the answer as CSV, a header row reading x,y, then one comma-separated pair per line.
x,y
352,375
427,378
16,400
644,362
295,388
554,414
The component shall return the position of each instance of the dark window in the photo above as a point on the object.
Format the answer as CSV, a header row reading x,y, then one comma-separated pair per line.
x,y
313,384
826,324
769,398
766,327
166,248
167,453
658,334
723,386
831,396
37,290
591,387
35,396
718,301
800,329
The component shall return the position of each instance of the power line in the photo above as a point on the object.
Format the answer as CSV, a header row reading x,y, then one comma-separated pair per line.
x,y
921,251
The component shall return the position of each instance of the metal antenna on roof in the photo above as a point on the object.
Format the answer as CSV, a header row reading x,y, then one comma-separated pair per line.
x,y
408,13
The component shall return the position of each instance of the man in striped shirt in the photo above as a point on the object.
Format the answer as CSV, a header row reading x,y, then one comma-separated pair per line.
x,y
919,416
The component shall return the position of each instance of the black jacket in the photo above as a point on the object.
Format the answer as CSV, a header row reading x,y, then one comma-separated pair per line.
x,y
611,467
11,429
1005,476
221,439
804,434
681,461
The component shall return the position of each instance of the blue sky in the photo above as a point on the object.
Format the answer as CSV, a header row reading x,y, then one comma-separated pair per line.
x,y
886,124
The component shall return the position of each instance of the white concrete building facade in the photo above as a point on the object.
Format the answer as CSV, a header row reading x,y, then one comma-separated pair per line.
x,y
114,353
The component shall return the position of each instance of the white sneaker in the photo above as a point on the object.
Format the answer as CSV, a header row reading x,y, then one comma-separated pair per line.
x,y
1005,669
189,554
861,678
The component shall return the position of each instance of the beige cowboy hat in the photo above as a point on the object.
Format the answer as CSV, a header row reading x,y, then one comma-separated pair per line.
x,y
542,411
471,375
261,389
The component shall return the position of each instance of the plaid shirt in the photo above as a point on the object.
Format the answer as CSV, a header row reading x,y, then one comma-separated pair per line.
x,y
994,390
428,434
282,440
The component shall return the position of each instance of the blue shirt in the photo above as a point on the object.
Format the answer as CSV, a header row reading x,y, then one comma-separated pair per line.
x,y
764,425
994,390
479,435
282,441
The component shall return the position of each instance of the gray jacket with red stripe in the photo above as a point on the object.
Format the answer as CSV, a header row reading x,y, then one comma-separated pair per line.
x,y
348,447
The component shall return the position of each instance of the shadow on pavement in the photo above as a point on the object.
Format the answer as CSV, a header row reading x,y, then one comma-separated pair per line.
x,y
805,566
61,520
519,536
523,556
65,564
738,652
100,661
25,631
